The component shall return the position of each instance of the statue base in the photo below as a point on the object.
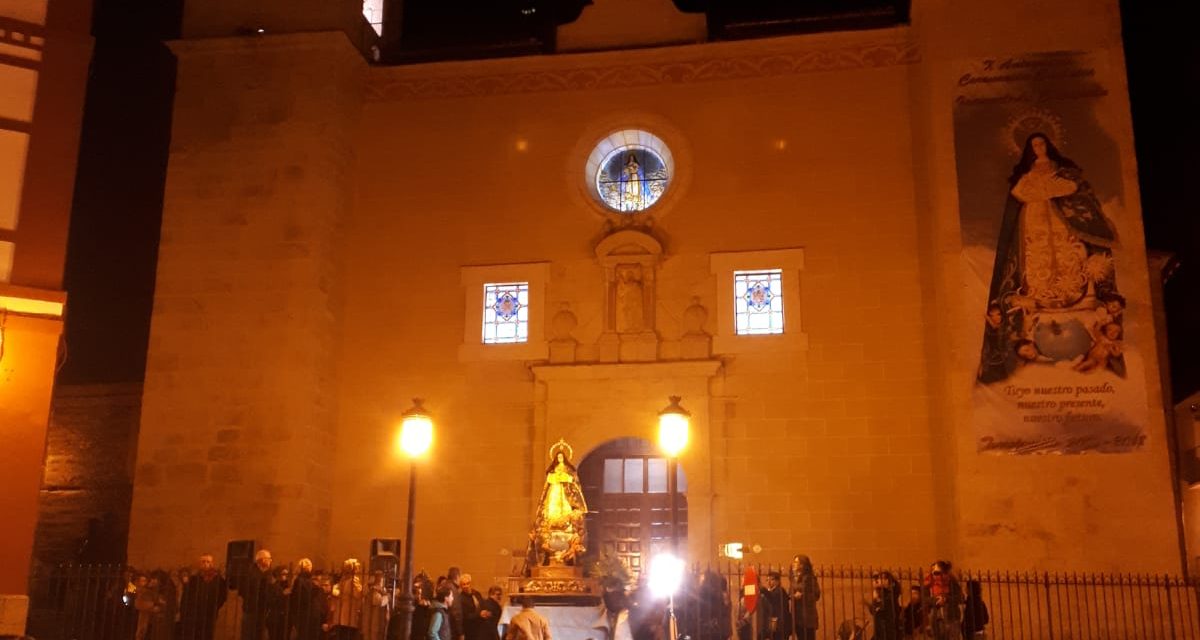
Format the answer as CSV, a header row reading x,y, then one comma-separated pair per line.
x,y
556,586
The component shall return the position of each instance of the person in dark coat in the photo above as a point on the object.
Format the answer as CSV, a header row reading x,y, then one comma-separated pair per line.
x,y
255,589
975,613
324,602
454,605
710,613
470,601
912,618
422,607
277,604
305,604
806,591
490,610
885,606
774,614
204,593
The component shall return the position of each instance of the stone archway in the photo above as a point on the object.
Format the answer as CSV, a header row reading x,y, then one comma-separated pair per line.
x,y
629,508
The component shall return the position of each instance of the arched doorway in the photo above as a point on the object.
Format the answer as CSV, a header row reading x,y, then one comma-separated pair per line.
x,y
629,509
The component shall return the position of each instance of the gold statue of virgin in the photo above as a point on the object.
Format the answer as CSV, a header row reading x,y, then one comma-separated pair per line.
x,y
559,532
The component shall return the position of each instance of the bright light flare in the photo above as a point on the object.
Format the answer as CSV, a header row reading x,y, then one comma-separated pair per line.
x,y
673,425
416,431
666,575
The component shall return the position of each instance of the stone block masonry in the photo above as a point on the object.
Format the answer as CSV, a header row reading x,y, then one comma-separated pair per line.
x,y
239,410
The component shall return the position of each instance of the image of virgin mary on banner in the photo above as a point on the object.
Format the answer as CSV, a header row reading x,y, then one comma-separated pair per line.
x,y
1053,292
1040,188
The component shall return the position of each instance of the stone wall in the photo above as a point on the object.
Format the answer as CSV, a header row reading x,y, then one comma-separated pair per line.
x,y
239,405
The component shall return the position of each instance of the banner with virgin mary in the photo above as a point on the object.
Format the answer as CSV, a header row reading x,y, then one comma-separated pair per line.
x,y
1047,274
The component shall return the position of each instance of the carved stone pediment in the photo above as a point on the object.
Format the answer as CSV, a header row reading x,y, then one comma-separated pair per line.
x,y
629,245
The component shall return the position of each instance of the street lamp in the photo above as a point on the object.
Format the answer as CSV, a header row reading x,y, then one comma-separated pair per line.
x,y
673,425
416,434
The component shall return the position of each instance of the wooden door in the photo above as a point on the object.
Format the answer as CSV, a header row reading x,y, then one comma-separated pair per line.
x,y
625,484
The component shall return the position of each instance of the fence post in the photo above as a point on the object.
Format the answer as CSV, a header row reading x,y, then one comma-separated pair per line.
x,y
1049,605
1170,605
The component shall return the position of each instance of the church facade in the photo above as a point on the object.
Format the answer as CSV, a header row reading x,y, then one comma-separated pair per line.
x,y
896,276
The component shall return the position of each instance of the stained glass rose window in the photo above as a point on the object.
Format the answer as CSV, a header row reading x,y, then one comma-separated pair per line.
x,y
631,179
630,170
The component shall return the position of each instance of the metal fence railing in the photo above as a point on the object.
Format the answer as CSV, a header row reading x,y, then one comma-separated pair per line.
x,y
1019,605
114,602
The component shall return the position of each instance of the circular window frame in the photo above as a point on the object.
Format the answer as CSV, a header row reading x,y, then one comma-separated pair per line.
x,y
637,131
617,143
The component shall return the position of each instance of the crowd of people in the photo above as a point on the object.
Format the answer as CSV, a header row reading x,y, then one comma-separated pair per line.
x,y
269,603
937,608
355,604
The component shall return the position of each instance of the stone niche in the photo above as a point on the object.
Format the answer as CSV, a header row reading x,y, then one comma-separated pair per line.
x,y
630,259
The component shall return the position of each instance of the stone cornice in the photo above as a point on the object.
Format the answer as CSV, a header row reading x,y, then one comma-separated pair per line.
x,y
638,68
285,42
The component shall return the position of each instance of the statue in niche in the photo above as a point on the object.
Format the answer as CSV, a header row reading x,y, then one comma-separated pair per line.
x,y
559,534
630,317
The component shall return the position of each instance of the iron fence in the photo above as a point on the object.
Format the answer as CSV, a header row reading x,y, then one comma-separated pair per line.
x,y
111,602
1020,604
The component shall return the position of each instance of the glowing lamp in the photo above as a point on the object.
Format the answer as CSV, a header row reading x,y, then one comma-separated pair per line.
x,y
666,575
673,425
416,431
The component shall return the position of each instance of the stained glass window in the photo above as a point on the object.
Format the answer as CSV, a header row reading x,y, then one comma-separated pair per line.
x,y
631,178
505,312
758,301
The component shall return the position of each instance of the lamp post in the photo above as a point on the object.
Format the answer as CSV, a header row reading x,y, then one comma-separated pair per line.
x,y
416,434
673,424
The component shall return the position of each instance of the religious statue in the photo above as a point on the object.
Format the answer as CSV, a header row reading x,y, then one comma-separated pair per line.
x,y
630,305
559,532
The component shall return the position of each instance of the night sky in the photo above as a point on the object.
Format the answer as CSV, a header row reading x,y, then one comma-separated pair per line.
x,y
127,120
